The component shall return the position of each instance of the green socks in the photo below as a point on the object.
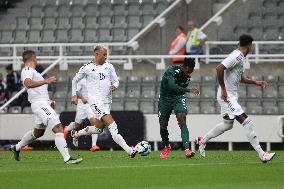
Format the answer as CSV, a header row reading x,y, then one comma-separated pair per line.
x,y
165,136
184,136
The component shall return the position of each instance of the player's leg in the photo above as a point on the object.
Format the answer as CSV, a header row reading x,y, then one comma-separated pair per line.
x,y
228,114
181,111
116,136
164,112
94,147
252,138
28,138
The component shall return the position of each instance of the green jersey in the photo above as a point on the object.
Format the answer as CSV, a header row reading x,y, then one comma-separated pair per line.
x,y
174,83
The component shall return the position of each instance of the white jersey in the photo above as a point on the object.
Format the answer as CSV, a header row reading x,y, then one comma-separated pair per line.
x,y
38,93
234,64
99,78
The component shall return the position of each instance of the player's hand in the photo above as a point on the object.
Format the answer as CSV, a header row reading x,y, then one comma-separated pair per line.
x,y
195,91
112,88
53,104
51,80
224,94
74,99
262,84
85,101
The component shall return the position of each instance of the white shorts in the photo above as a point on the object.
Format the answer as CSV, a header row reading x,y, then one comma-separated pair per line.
x,y
98,109
45,116
81,112
230,107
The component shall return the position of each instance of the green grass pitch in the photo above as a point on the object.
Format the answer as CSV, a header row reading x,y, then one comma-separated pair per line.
x,y
106,169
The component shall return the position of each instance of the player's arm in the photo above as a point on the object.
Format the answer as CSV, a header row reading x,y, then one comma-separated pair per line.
x,y
29,83
79,75
114,79
80,96
246,80
220,75
174,87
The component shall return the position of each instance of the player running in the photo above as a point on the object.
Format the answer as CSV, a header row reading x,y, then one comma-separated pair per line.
x,y
172,97
81,114
45,116
230,74
101,81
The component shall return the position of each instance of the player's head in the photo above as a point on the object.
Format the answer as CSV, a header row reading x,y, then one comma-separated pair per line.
x,y
245,42
190,25
187,66
179,30
100,53
29,56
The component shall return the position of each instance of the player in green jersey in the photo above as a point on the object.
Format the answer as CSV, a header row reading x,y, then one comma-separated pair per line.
x,y
172,97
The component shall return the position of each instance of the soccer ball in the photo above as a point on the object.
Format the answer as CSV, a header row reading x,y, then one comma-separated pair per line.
x,y
144,148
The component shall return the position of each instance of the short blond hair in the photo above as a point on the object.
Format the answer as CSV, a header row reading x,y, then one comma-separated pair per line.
x,y
99,47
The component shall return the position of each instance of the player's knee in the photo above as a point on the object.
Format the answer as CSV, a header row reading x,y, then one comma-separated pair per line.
x,y
93,130
163,124
228,124
181,119
57,128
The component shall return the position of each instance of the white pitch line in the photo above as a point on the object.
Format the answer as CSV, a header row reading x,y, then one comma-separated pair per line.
x,y
68,167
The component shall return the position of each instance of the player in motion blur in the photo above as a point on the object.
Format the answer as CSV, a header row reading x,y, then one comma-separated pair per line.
x,y
230,74
101,81
172,97
81,114
45,116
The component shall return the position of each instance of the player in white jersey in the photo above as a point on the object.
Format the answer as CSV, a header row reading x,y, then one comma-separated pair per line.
x,y
81,114
45,116
101,81
230,74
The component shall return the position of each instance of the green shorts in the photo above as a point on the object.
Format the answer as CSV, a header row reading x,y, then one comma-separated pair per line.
x,y
167,104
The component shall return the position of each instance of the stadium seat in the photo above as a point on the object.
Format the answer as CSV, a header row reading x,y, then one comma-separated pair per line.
x,y
105,21
49,23
269,107
271,91
132,32
254,107
147,19
77,22
63,10
242,91
119,9
147,106
131,105
35,23
27,110
7,36
133,91
15,110
119,92
192,106
207,107
47,36
20,36
34,36
75,36
207,90
117,105
63,23
61,36
134,21
77,10
36,11
148,91
91,23
119,35
60,107
50,11
119,21
254,91
134,8
105,9
91,10
104,35
149,79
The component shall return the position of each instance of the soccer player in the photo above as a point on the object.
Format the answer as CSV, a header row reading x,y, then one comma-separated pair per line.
x,y
45,116
81,114
230,74
101,81
172,97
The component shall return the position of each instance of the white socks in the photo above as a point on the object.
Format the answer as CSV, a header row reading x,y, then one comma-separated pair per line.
x,y
70,127
218,130
252,138
94,139
27,139
61,145
88,131
118,138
